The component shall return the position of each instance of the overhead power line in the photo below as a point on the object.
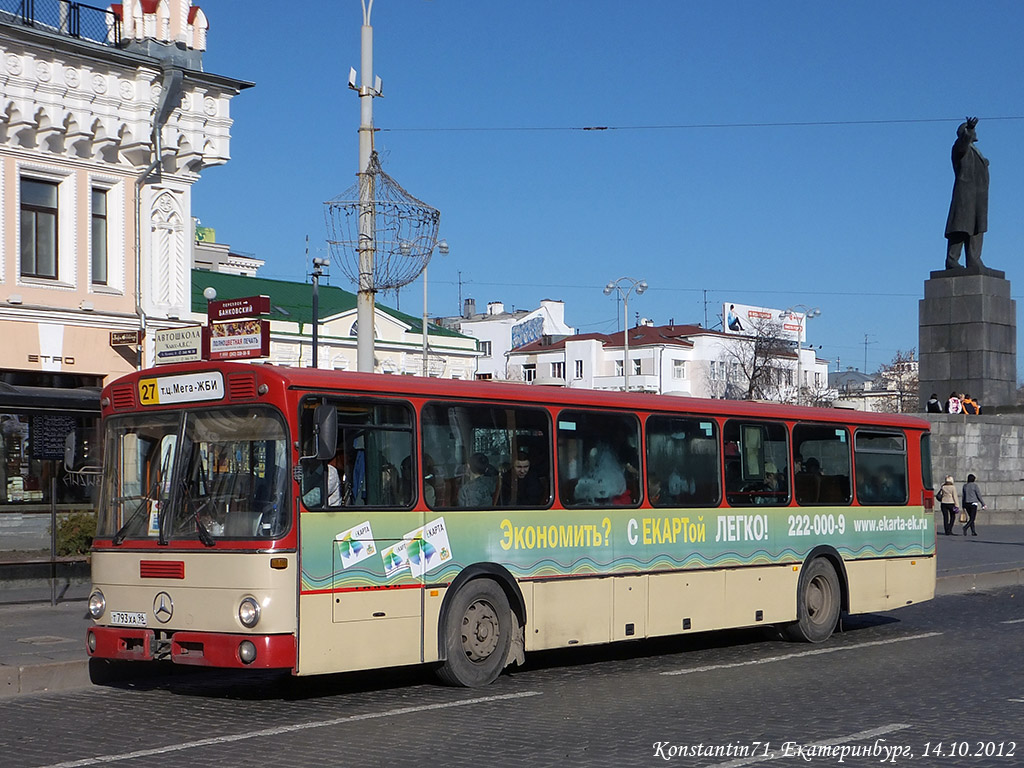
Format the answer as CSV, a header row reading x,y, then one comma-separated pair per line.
x,y
687,126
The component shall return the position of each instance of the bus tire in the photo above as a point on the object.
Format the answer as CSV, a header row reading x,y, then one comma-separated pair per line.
x,y
818,601
477,635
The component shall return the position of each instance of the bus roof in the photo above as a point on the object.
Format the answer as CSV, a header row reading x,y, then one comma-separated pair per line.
x,y
417,386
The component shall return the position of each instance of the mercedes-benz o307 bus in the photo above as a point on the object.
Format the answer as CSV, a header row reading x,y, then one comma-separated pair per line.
x,y
315,521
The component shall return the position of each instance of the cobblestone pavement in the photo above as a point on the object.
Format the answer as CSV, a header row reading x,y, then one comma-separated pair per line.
x,y
947,671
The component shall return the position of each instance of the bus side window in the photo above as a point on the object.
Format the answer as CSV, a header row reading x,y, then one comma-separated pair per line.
x,y
683,466
598,459
484,456
373,439
821,458
756,462
880,462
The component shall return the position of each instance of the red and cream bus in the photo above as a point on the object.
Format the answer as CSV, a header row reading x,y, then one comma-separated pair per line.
x,y
319,521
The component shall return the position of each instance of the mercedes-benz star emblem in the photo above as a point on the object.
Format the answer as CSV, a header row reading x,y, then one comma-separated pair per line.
x,y
163,607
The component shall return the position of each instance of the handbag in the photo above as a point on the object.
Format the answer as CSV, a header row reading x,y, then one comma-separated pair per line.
x,y
963,515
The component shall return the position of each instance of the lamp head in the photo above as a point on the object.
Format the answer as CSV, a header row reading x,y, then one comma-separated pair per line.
x,y
404,247
609,288
442,247
210,293
641,287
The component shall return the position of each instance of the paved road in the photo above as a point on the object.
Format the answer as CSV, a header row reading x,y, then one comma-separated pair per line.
x,y
892,683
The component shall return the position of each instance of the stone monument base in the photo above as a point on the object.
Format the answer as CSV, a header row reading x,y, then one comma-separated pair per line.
x,y
968,336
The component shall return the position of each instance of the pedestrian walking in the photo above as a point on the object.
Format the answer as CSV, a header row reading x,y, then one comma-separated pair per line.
x,y
971,498
949,502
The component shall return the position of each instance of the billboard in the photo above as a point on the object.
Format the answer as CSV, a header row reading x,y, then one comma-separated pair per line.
x,y
527,331
745,320
240,339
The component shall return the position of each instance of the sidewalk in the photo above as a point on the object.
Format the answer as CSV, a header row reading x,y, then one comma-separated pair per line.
x,y
42,648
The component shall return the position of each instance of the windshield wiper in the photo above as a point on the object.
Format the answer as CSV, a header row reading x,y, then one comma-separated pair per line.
x,y
122,532
204,535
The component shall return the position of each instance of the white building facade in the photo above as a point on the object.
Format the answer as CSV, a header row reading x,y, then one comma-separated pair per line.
x,y
498,332
670,359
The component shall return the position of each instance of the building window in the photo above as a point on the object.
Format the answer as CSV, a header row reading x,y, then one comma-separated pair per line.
x,y
484,376
678,369
99,236
579,369
529,372
636,367
618,368
485,348
38,229
558,370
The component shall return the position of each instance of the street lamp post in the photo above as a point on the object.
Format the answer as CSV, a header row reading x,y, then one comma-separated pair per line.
x,y
631,285
318,270
809,313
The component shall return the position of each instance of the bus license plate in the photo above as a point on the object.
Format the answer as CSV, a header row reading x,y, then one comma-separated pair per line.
x,y
127,619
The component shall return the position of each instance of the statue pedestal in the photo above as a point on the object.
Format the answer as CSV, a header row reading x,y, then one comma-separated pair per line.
x,y
968,336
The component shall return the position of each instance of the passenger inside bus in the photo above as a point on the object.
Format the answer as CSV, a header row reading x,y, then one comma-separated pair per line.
x,y
604,481
477,489
520,484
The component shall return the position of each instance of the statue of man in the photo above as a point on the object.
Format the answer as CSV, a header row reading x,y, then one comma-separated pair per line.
x,y
968,211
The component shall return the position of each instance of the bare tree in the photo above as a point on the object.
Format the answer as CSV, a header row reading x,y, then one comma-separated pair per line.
x,y
899,377
759,365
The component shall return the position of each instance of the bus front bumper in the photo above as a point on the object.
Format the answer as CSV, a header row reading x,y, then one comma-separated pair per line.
x,y
204,649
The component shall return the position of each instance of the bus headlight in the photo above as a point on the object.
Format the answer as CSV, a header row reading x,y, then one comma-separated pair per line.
x,y
249,612
97,604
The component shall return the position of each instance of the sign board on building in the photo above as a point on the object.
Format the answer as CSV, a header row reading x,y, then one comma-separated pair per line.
x,y
240,339
125,338
744,320
178,345
232,309
206,234
527,331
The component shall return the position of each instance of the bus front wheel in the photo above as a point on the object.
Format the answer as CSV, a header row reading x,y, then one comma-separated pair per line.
x,y
817,603
477,635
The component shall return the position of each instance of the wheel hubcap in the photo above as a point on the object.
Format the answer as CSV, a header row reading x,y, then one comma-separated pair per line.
x,y
480,631
817,599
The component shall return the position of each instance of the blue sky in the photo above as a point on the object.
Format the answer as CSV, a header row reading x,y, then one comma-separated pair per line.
x,y
703,185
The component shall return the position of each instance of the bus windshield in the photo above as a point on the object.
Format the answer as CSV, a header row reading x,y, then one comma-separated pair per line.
x,y
195,475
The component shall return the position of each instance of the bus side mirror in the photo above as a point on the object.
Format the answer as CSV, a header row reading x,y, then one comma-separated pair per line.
x,y
325,433
326,419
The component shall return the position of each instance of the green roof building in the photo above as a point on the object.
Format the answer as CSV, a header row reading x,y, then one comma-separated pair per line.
x,y
398,337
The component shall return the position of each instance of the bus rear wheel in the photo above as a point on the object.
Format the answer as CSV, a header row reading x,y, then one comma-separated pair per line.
x,y
477,635
817,603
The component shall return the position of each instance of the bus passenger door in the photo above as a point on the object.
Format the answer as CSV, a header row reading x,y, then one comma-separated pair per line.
x,y
360,522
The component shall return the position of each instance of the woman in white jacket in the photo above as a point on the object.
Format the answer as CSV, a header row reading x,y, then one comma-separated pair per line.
x,y
949,502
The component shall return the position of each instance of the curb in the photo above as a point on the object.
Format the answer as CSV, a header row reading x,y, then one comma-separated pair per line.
x,y
43,678
964,583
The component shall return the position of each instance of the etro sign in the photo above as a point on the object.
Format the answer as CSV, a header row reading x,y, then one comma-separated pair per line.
x,y
232,309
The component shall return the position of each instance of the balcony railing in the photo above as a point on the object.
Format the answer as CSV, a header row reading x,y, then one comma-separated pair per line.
x,y
85,22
